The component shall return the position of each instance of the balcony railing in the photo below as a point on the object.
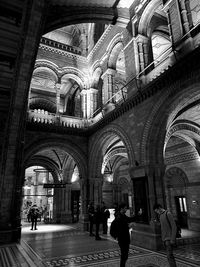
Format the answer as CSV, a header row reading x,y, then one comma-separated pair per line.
x,y
44,117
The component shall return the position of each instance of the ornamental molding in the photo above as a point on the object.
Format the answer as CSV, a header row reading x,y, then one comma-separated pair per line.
x,y
63,53
100,41
182,158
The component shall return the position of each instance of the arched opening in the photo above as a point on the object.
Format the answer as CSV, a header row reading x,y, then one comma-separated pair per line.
x,y
57,183
37,190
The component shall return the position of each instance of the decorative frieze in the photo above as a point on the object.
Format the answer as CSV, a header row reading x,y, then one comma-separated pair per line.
x,y
182,158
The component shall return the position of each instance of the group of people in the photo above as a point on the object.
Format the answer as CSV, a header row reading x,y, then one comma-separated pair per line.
x,y
167,223
98,215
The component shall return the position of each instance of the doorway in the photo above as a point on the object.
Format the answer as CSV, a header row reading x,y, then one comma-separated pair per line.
x,y
181,208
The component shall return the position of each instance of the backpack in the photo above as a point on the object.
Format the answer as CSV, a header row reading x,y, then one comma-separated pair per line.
x,y
114,229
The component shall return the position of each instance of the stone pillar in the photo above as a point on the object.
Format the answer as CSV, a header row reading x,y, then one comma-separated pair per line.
x,y
84,203
108,86
84,103
143,52
95,190
36,186
150,232
184,16
12,170
93,93
57,87
66,214
131,60
174,20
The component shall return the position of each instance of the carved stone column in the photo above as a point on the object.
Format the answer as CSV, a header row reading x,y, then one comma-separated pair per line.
x,y
172,11
95,189
93,93
57,87
66,214
84,203
84,103
108,86
184,16
142,42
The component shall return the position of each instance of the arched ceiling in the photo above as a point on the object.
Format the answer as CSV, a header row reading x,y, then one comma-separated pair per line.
x,y
185,137
69,12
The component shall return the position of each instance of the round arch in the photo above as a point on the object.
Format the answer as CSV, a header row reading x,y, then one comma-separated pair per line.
x,y
49,67
45,163
75,74
72,149
113,50
42,103
181,177
147,16
153,138
96,76
114,152
103,137
88,13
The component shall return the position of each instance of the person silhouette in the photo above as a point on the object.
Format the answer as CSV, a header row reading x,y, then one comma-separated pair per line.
x,y
34,213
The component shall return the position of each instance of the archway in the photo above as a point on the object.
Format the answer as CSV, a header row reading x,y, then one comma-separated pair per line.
x,y
68,168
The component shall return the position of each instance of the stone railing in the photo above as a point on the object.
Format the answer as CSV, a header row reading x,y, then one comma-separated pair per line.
x,y
44,117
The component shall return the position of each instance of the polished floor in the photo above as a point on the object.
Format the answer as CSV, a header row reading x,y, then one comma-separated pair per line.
x,y
65,245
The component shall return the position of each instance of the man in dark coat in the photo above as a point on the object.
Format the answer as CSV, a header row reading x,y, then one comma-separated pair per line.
x,y
123,235
34,213
98,220
105,216
168,232
91,217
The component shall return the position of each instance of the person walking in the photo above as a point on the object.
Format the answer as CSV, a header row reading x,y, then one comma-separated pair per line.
x,y
98,220
91,217
34,213
123,235
168,231
105,216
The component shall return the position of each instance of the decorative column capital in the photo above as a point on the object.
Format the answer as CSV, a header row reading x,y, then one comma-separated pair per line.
x,y
84,92
93,90
142,39
109,71
57,86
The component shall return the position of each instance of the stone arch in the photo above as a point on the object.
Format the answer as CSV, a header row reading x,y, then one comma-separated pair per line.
x,y
51,68
176,182
45,163
96,76
114,152
153,138
42,103
113,51
72,149
193,133
96,147
74,74
176,177
147,16
87,13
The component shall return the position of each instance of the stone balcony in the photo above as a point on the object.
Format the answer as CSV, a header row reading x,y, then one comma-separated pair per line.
x,y
44,117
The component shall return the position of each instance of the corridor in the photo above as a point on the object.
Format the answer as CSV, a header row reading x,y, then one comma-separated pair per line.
x,y
61,245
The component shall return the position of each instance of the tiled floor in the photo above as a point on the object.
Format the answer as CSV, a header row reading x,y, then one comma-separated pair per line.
x,y
61,245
